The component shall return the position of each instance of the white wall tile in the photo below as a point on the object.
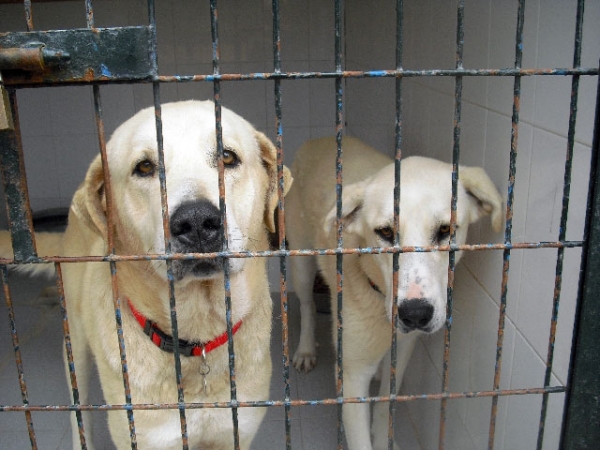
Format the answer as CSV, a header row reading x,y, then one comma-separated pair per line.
x,y
523,414
370,33
117,106
322,103
72,110
321,33
295,103
41,166
74,155
591,35
192,34
34,112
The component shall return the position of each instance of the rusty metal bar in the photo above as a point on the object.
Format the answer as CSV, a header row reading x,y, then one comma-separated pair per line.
x,y
141,75
17,349
582,402
452,254
278,403
397,209
89,13
103,55
110,241
339,128
31,58
281,225
514,142
12,166
302,252
214,25
113,264
28,15
404,73
165,219
69,354
564,216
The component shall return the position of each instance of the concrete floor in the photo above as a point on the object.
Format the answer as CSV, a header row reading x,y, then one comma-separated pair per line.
x,y
38,322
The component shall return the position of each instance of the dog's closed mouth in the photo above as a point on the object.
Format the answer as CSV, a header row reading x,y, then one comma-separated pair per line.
x,y
198,268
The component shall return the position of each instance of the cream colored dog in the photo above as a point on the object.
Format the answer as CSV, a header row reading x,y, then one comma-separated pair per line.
x,y
194,219
367,219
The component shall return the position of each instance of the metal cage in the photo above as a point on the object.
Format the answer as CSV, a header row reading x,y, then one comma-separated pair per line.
x,y
129,55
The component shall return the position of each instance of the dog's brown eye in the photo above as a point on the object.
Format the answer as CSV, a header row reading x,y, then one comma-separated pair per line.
x,y
144,168
386,233
443,232
230,159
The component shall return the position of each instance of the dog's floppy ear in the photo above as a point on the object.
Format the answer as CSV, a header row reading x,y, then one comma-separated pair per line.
x,y
487,198
89,202
352,202
268,153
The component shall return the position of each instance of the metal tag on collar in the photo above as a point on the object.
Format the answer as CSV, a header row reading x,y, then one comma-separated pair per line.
x,y
204,369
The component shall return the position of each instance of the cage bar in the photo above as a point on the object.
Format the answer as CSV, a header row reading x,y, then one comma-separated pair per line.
x,y
582,404
581,390
17,350
397,209
222,207
563,218
514,144
283,294
452,254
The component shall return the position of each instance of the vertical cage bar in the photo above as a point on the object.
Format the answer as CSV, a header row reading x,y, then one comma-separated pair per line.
x,y
397,206
89,13
563,219
514,143
452,253
12,165
222,206
110,241
339,128
69,354
165,219
281,224
28,15
17,350
112,264
581,416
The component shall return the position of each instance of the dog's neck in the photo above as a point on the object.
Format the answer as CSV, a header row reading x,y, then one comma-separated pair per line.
x,y
166,342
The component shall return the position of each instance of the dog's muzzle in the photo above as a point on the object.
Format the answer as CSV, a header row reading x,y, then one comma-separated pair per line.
x,y
415,314
196,228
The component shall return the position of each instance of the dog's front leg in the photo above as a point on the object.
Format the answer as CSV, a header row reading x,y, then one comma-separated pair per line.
x,y
405,347
356,416
304,270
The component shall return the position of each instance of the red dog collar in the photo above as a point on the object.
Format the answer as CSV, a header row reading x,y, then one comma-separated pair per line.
x,y
165,342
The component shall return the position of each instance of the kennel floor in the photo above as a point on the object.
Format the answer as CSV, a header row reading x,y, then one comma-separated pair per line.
x,y
38,323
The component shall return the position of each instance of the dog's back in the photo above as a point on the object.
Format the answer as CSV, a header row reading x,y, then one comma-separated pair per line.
x,y
315,166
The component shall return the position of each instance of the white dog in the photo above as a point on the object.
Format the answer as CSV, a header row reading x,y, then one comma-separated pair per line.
x,y
194,220
367,219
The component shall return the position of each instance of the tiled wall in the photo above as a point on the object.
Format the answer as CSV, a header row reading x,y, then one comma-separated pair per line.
x,y
59,137
490,30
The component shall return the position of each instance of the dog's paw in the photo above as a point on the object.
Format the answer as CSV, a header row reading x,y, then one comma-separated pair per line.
x,y
304,361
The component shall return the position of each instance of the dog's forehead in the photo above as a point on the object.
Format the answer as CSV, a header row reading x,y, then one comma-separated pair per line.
x,y
425,193
188,127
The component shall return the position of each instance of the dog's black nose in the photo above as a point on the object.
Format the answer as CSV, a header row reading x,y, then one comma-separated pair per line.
x,y
415,313
196,228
